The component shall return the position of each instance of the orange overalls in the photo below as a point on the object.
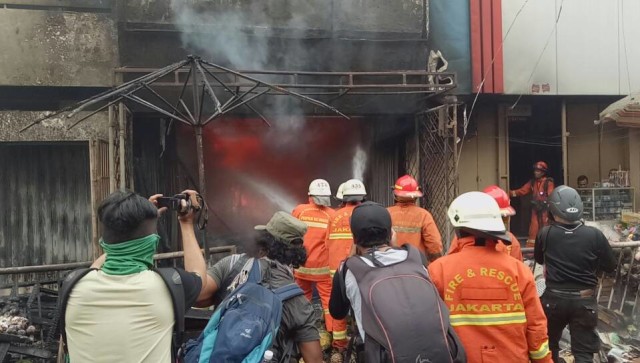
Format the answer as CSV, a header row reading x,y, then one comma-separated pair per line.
x,y
415,225
316,268
339,244
493,303
539,218
514,249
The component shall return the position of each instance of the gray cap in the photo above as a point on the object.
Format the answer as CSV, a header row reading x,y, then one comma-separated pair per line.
x,y
285,227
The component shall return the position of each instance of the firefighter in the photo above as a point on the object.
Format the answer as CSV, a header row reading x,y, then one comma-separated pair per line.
x,y
502,198
412,224
492,298
316,215
572,254
339,245
540,187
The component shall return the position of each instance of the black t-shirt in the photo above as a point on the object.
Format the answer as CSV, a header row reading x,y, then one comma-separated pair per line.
x,y
572,255
191,284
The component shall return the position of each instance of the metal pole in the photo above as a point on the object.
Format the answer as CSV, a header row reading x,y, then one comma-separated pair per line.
x,y
112,149
197,112
565,147
121,131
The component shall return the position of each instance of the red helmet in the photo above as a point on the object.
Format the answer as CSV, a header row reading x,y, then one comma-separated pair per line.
x,y
541,165
502,198
407,186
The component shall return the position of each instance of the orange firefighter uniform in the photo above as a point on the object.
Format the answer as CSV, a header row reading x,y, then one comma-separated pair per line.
x,y
316,268
415,226
494,304
539,218
514,249
339,243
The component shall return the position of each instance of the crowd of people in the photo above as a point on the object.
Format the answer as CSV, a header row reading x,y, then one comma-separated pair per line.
x,y
387,291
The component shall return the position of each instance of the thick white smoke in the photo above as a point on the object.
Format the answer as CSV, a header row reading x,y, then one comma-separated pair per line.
x,y
359,163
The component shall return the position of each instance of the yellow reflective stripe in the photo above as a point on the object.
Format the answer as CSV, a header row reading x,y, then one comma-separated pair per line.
x,y
316,224
540,353
326,311
332,272
313,271
488,319
340,236
407,229
339,335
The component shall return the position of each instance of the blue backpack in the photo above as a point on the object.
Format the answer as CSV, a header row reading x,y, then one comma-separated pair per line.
x,y
244,325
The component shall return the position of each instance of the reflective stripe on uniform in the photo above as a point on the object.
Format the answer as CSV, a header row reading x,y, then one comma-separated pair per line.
x,y
340,236
542,352
326,311
316,224
407,229
340,335
313,271
488,319
332,272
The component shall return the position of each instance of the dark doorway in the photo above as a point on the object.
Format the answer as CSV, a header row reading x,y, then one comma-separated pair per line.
x,y
531,139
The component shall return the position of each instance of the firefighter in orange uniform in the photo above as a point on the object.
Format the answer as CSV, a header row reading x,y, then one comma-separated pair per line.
x,y
492,298
339,244
540,187
316,215
502,198
412,224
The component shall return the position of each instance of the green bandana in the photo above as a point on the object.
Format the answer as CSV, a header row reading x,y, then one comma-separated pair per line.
x,y
130,257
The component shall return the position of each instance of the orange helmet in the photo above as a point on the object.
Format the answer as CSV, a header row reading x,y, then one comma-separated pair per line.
x,y
541,165
502,198
407,186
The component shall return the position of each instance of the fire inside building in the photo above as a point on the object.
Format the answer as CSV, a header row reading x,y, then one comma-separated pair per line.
x,y
248,101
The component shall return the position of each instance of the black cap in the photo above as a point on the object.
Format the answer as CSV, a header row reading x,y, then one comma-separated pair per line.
x,y
368,215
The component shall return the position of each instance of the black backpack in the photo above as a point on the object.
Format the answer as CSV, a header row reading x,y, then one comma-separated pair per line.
x,y
403,316
169,275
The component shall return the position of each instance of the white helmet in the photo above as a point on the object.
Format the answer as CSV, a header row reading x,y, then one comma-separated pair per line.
x,y
320,188
340,192
354,191
476,211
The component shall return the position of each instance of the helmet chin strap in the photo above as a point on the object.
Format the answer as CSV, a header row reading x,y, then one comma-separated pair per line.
x,y
488,235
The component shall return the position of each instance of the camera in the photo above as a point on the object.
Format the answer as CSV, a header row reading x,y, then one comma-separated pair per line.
x,y
175,203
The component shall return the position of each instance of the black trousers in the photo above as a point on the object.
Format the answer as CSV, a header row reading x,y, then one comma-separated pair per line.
x,y
581,314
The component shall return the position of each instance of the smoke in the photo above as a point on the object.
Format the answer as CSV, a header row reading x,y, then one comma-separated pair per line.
x,y
359,163
223,35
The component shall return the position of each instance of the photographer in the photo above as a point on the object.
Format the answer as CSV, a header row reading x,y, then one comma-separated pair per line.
x,y
122,309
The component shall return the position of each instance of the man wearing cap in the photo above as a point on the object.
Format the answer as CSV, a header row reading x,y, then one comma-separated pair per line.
x,y
279,246
399,314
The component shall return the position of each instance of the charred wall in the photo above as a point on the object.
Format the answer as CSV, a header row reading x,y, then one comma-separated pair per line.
x,y
56,48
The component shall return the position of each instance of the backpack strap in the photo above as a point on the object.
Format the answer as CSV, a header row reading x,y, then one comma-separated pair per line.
x,y
255,274
63,298
287,292
173,281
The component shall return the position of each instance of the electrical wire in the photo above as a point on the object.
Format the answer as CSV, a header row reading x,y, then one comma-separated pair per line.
x,y
624,43
535,67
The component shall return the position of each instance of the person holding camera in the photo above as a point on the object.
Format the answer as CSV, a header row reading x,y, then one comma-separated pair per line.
x,y
122,309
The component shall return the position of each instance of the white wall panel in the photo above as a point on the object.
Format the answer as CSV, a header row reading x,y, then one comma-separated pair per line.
x,y
525,44
586,56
